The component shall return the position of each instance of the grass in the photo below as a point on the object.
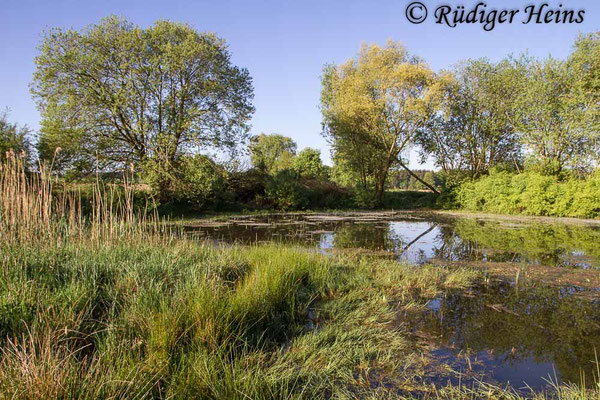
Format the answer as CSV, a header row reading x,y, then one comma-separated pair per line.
x,y
184,320
37,207
188,320
103,305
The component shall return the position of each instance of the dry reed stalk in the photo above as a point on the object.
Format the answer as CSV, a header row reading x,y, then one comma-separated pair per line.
x,y
35,206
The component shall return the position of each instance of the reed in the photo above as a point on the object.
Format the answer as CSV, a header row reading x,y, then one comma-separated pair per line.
x,y
91,307
35,206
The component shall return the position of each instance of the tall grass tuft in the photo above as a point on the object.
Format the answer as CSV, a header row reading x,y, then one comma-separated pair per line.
x,y
35,206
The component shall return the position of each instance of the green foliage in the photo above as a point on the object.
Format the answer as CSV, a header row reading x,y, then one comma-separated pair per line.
x,y
197,181
116,93
61,145
327,195
246,188
285,191
496,113
13,137
346,174
308,164
364,197
272,153
401,179
473,130
585,64
547,112
532,193
374,107
403,200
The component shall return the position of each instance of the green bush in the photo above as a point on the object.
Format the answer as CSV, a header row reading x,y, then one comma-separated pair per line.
x,y
200,181
195,180
308,164
325,194
285,191
364,197
405,199
532,193
246,188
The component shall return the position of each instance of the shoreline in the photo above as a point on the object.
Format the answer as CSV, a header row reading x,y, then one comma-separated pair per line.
x,y
522,218
394,213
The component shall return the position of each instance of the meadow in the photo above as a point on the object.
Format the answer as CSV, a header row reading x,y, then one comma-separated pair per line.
x,y
111,304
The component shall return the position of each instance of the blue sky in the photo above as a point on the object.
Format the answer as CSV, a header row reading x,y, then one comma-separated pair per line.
x,y
284,44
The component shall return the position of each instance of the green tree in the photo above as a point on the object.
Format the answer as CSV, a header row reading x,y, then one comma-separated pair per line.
x,y
374,107
308,164
14,137
584,63
116,93
429,177
198,180
473,130
547,115
272,153
285,191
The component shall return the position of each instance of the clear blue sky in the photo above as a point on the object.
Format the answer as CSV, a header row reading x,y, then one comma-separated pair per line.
x,y
284,44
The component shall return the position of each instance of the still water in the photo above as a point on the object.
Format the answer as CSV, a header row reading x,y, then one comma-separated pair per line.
x,y
420,238
527,335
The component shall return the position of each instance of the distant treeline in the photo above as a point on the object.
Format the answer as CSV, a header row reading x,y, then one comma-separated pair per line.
x,y
166,106
403,180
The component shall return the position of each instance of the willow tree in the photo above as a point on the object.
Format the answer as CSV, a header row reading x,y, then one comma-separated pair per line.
x,y
472,132
548,116
374,107
584,63
116,93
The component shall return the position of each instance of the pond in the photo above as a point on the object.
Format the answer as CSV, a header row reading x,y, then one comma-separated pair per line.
x,y
528,336
420,238
539,324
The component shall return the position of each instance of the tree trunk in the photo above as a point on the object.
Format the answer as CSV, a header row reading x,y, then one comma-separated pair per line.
x,y
434,190
380,187
379,190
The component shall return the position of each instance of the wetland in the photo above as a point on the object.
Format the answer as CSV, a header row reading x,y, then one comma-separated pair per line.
x,y
531,322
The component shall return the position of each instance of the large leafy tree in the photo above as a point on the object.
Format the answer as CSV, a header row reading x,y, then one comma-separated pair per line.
x,y
472,132
548,115
116,93
272,153
308,164
374,107
584,63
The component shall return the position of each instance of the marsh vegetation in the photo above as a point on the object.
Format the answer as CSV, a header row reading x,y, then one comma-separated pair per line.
x,y
106,293
110,304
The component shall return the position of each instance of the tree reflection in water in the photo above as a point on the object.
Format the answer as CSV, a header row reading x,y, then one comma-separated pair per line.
x,y
419,239
531,333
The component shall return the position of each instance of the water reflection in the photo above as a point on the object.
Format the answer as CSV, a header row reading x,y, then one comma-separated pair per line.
x,y
418,239
524,336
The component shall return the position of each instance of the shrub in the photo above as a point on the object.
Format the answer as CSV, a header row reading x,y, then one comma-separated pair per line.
x,y
325,194
308,164
285,191
364,197
532,193
400,200
200,180
196,180
246,188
